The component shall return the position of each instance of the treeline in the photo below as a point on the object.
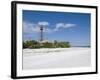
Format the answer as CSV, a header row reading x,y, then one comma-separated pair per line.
x,y
35,44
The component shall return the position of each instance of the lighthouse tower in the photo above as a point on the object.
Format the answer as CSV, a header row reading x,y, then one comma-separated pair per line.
x,y
41,33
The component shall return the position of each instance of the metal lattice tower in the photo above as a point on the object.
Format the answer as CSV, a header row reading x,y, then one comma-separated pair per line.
x,y
41,33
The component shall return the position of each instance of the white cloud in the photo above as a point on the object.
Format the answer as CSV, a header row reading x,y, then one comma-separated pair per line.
x,y
48,30
43,23
34,27
58,25
30,27
63,25
68,25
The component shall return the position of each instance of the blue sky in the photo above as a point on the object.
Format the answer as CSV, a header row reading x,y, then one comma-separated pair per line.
x,y
61,26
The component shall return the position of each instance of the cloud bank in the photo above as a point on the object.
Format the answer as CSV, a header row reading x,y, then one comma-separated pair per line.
x,y
34,27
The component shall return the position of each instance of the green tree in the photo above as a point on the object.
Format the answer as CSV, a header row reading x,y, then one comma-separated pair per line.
x,y
47,45
35,44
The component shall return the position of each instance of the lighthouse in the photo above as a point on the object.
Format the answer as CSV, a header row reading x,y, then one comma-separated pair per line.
x,y
42,28
41,33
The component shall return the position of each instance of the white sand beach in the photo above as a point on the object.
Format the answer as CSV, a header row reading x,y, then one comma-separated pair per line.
x,y
56,58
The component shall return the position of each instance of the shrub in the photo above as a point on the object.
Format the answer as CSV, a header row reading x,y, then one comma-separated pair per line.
x,y
36,44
